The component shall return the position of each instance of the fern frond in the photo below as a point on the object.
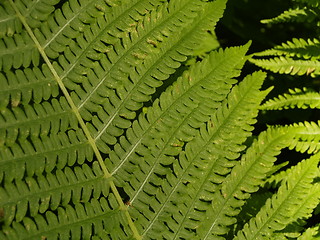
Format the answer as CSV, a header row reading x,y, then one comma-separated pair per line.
x,y
108,61
282,208
18,51
311,233
287,65
294,15
37,195
146,75
25,86
92,146
188,195
303,212
43,154
298,47
296,98
35,120
244,179
310,201
307,138
181,108
10,24
34,11
108,222
63,37
180,111
311,3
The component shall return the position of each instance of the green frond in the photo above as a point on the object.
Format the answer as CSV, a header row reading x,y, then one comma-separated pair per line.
x,y
249,210
307,138
35,120
25,86
311,233
118,121
274,181
108,59
296,98
181,107
310,201
44,154
244,179
297,47
108,222
287,65
64,37
36,12
57,188
10,24
179,111
283,207
311,3
294,15
18,50
189,194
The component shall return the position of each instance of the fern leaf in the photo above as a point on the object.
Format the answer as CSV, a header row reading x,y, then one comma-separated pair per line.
x,y
34,11
307,138
311,3
170,111
310,202
43,155
50,191
303,212
107,59
296,98
64,34
92,146
200,157
297,15
310,234
20,51
10,24
171,115
281,209
287,65
244,179
79,217
39,119
298,47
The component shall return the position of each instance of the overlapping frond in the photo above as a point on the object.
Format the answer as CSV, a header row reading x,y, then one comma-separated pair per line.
x,y
310,234
296,98
299,56
35,12
181,108
297,47
311,3
185,194
108,58
57,188
94,145
295,15
283,207
307,138
288,65
244,179
180,111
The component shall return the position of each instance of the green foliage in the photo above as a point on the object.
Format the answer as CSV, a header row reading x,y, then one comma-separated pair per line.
x,y
299,56
296,98
118,120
